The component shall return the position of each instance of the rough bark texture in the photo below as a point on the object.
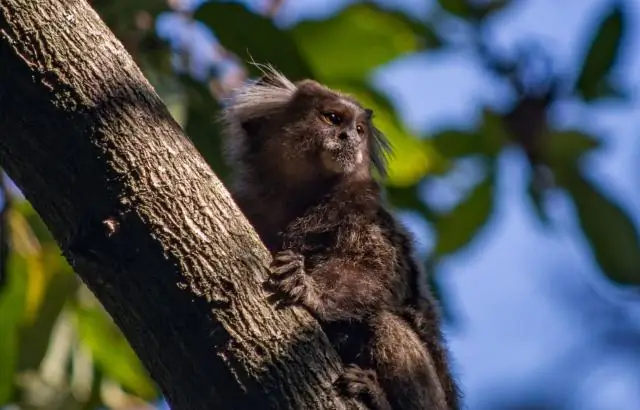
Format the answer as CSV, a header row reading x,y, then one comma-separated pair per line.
x,y
144,221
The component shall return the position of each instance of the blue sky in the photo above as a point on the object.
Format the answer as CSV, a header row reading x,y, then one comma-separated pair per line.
x,y
536,320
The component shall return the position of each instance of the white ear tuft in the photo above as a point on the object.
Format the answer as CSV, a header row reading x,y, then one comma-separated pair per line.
x,y
260,98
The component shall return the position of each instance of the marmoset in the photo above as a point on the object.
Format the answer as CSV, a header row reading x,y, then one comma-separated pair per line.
x,y
306,160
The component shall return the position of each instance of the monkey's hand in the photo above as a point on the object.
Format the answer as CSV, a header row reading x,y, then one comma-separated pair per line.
x,y
289,279
363,384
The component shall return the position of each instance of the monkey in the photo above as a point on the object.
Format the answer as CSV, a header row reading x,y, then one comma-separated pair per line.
x,y
305,160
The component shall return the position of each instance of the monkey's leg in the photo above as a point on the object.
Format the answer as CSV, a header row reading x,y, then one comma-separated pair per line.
x,y
363,384
405,369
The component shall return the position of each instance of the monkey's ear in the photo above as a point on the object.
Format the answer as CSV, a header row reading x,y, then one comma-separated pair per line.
x,y
369,113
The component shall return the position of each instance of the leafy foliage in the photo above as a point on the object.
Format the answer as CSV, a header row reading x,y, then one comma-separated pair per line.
x,y
471,9
460,8
111,351
39,341
50,324
609,230
377,36
602,55
12,302
458,227
263,42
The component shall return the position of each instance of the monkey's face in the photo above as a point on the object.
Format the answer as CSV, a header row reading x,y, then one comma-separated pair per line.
x,y
341,136
328,132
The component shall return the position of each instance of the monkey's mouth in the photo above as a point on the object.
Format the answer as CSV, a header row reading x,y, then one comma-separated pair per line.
x,y
341,161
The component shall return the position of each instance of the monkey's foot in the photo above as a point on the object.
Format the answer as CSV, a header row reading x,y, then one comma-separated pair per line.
x,y
355,380
363,384
288,277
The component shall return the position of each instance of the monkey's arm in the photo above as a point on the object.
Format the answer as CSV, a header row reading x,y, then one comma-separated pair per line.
x,y
424,316
422,312
337,289
424,320
405,368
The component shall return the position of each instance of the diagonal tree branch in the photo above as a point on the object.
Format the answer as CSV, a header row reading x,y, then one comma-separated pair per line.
x,y
144,221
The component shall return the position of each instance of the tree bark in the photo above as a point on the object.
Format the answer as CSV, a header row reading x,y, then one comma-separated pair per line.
x,y
144,221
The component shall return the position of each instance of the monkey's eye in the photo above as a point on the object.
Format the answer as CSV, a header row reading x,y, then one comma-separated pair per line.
x,y
360,129
332,117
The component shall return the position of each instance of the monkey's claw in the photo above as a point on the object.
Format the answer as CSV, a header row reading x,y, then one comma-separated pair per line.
x,y
287,262
363,384
288,277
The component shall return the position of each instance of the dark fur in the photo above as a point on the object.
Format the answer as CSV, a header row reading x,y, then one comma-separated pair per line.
x,y
337,250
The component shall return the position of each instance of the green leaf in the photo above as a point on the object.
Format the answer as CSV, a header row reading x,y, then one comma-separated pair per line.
x,y
602,54
357,40
12,311
564,151
412,158
460,8
614,91
493,134
35,336
488,139
119,14
458,227
408,198
486,8
252,36
610,232
569,146
38,227
26,243
112,352
537,200
456,143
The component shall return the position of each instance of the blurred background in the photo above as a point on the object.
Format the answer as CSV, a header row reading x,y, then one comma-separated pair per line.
x,y
513,124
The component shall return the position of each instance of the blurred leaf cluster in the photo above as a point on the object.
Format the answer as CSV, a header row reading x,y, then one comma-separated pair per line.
x,y
59,350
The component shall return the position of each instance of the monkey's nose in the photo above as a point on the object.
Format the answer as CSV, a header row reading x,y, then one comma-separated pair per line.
x,y
349,137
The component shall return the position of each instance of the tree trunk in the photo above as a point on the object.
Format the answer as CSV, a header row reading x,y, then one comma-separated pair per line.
x,y
144,221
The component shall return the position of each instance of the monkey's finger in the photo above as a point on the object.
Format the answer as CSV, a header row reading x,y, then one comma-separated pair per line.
x,y
286,262
280,270
285,253
278,296
286,268
289,283
289,258
280,302
354,373
299,292
283,287
348,387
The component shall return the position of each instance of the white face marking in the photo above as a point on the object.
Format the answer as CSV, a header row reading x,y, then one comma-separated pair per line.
x,y
358,157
